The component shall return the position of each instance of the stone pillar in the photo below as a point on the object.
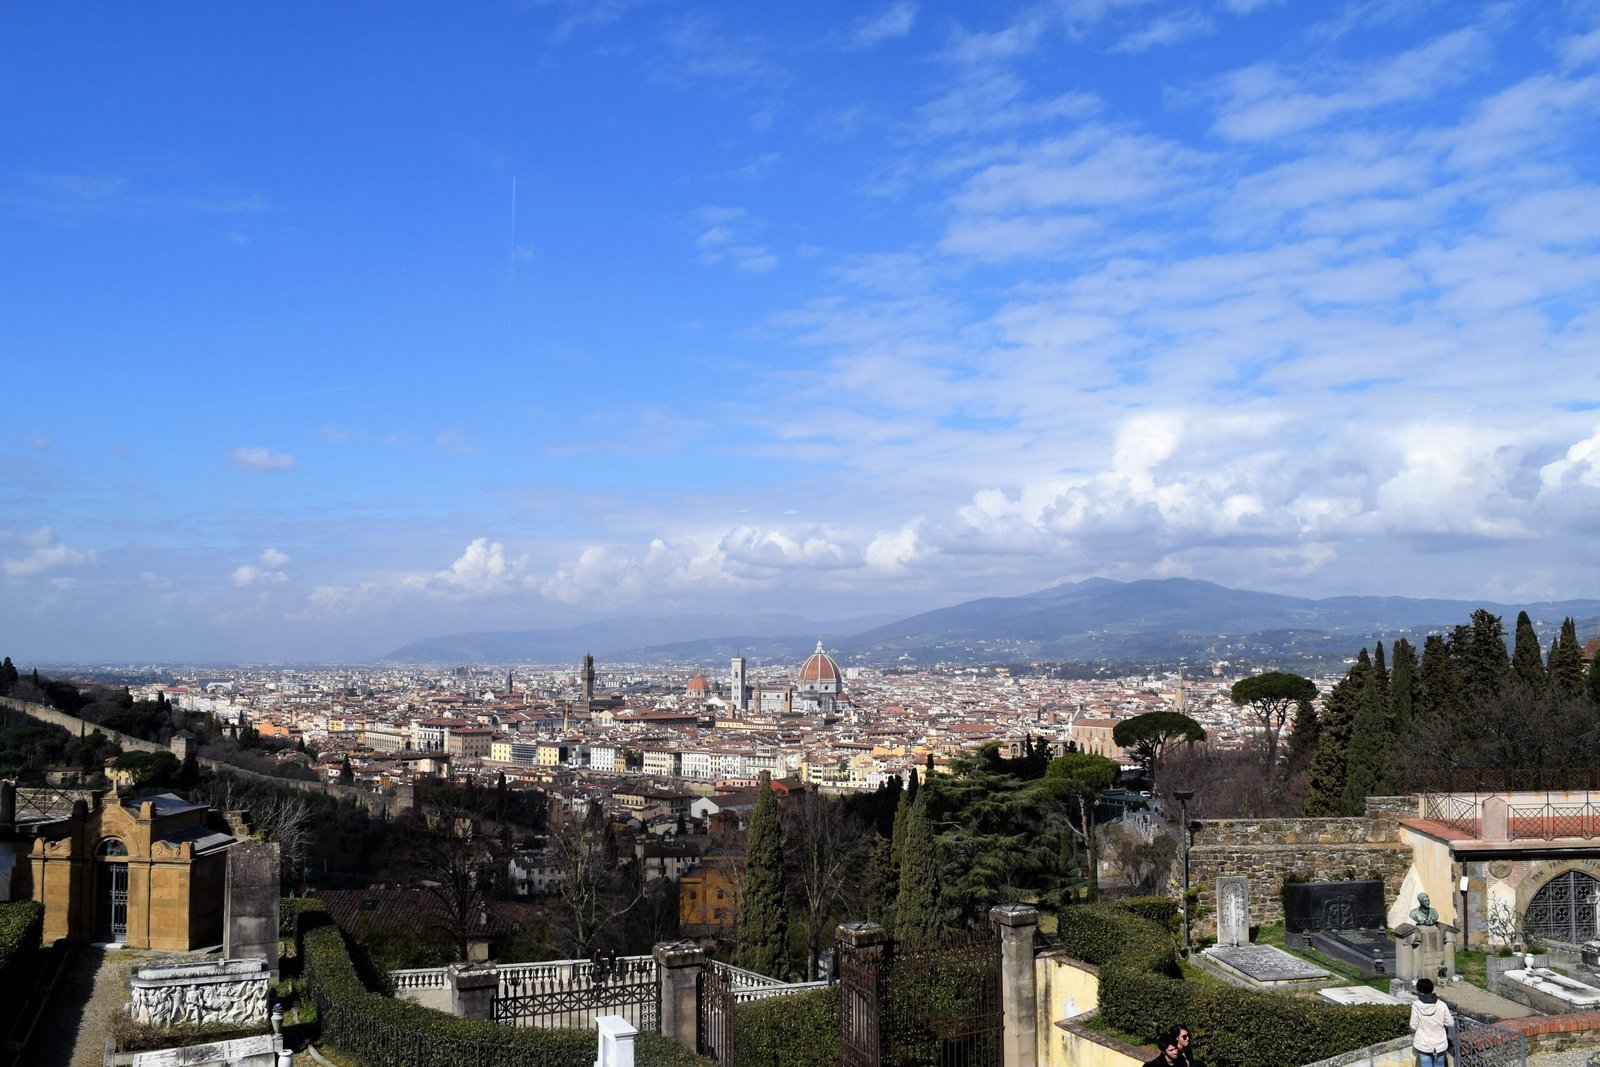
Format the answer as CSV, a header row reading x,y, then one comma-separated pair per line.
x,y
678,966
472,990
616,1041
1017,923
858,960
1496,824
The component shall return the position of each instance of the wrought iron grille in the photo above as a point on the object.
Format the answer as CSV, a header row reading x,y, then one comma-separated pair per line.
x,y
1566,909
941,1003
1483,1045
576,995
716,1015
1548,822
48,803
1454,811
860,990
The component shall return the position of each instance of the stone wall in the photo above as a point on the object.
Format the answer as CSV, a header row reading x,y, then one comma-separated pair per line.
x,y
403,799
1315,850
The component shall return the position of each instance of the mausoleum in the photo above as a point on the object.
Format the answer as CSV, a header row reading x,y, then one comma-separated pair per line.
x,y
148,872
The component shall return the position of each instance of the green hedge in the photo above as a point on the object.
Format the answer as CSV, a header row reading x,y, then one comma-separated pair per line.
x,y
21,928
797,1030
1163,911
1141,994
378,1030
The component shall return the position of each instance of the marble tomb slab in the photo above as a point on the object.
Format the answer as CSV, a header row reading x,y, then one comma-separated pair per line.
x,y
1265,967
1358,994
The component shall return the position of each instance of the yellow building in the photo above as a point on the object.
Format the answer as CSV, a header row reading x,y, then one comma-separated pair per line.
x,y
150,873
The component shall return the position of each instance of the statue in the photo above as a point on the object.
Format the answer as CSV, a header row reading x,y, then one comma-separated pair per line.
x,y
1424,914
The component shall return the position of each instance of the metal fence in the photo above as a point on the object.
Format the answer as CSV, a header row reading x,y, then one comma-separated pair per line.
x,y
1485,1045
1548,821
573,993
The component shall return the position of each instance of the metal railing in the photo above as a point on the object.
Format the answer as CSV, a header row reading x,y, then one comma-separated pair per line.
x,y
1485,1045
1547,822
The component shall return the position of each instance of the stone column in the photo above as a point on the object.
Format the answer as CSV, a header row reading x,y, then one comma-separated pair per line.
x,y
1496,824
678,966
472,990
616,1041
1017,923
858,961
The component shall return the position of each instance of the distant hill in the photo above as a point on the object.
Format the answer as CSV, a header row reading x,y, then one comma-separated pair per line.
x,y
1092,620
626,639
1166,618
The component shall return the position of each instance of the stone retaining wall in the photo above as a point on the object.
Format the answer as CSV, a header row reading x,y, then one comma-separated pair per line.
x,y
1315,850
375,803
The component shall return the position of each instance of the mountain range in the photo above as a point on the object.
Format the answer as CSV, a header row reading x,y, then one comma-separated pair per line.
x,y
1092,620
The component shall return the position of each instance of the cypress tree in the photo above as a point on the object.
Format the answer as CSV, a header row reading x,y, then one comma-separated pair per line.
x,y
8,675
1325,791
1594,681
1330,762
1366,762
883,882
911,790
916,913
1380,673
1438,693
1403,689
1527,666
763,912
1566,663
1479,650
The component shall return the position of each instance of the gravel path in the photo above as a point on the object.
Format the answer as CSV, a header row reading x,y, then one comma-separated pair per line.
x,y
1571,1057
93,985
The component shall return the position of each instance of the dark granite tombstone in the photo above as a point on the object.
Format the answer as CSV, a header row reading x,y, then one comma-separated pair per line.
x,y
1309,906
1345,920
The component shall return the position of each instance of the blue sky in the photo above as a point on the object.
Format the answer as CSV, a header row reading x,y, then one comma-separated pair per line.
x,y
326,327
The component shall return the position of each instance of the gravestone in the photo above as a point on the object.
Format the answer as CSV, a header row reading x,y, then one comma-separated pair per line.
x,y
1264,967
250,924
1353,905
1357,995
1233,911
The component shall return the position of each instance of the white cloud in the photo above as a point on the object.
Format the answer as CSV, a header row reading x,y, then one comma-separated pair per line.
x,y
42,552
728,235
894,21
481,570
1263,102
269,571
1166,31
260,460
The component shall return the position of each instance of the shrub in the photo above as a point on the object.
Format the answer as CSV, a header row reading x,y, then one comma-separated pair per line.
x,y
1163,911
21,927
797,1030
373,1028
1141,994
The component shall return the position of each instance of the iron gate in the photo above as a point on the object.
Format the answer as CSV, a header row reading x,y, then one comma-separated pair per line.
x,y
1565,909
934,1004
1482,1045
716,1015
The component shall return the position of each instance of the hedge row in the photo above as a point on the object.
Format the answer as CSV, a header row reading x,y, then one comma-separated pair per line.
x,y
796,1030
21,929
378,1030
1141,994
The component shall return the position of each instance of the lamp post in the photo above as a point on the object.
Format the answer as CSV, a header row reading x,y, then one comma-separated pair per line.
x,y
1184,796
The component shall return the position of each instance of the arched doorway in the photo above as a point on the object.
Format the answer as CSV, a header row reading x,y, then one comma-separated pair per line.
x,y
1564,909
111,890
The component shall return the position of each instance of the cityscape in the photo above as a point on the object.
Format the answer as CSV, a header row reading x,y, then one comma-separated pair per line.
x,y
647,533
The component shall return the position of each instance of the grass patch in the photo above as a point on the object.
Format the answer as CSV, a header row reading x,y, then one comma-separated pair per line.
x,y
1472,964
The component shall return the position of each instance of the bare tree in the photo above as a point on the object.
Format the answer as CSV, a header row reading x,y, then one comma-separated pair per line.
x,y
455,855
596,890
827,853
